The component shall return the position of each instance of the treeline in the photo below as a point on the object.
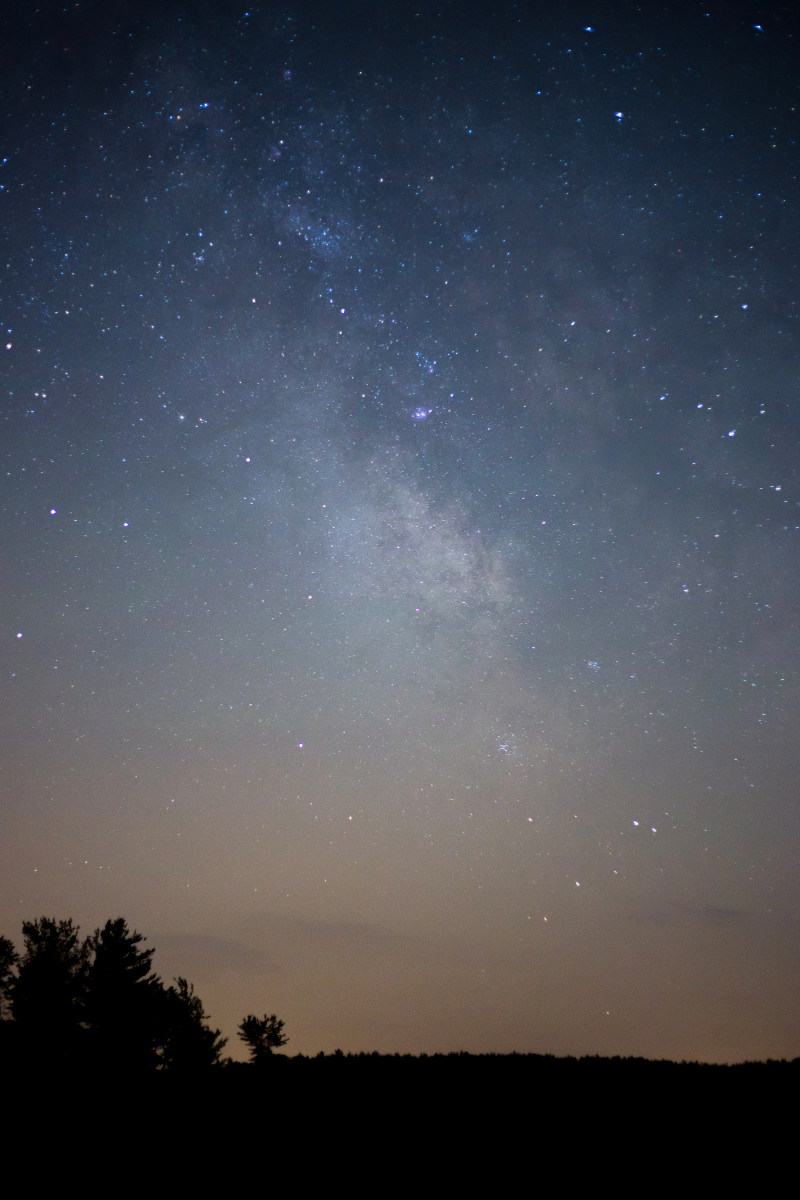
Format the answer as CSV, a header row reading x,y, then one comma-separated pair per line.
x,y
95,1003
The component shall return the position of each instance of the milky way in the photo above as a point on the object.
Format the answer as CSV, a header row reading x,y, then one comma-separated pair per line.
x,y
400,514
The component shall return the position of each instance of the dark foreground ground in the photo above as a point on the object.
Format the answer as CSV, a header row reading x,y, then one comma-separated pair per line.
x,y
385,1123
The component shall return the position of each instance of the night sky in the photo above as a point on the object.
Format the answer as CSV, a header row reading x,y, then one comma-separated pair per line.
x,y
399,513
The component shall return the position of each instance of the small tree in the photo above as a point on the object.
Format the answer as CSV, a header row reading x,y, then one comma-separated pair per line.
x,y
262,1035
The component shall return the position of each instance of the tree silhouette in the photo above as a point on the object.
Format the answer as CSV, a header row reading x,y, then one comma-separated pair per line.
x,y
47,996
122,997
8,962
262,1035
186,1043
97,1003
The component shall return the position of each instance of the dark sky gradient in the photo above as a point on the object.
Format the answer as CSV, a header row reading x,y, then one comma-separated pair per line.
x,y
399,593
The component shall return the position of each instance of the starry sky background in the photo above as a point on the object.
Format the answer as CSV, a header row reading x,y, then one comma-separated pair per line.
x,y
400,513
